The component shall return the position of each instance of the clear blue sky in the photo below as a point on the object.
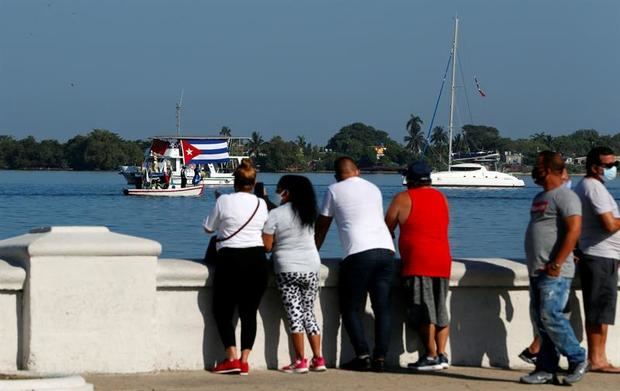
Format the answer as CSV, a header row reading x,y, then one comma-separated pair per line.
x,y
303,67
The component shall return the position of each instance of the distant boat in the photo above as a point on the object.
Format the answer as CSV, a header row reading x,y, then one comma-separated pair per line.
x,y
469,173
189,191
214,158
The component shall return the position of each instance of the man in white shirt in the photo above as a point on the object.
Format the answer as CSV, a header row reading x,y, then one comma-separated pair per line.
x,y
600,244
368,265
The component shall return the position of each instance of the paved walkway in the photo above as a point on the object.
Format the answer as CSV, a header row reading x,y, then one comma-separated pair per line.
x,y
455,378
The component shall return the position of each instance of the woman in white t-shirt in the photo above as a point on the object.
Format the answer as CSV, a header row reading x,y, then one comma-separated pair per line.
x,y
240,266
289,232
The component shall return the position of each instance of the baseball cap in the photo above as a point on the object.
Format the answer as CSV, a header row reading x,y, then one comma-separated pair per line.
x,y
418,171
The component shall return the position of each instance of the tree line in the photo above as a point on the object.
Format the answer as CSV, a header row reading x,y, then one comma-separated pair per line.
x,y
373,148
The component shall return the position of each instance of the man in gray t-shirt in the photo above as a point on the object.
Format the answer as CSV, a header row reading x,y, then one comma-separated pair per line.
x,y
600,244
555,224
547,230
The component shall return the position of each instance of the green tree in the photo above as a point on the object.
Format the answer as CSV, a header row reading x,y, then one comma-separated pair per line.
x,y
225,131
255,144
414,140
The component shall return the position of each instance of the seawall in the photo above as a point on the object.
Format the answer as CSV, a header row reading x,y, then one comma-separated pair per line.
x,y
84,299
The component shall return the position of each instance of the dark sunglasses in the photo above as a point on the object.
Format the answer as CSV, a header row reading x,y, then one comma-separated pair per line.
x,y
609,165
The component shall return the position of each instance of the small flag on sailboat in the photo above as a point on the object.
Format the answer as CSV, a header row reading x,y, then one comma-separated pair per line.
x,y
205,151
478,87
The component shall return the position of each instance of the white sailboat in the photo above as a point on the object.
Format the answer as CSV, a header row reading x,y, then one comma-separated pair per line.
x,y
467,174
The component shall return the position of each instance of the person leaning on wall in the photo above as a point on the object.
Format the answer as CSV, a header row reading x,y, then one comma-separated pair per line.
x,y
289,232
422,215
240,266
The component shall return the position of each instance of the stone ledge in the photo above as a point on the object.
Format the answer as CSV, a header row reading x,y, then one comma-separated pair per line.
x,y
12,278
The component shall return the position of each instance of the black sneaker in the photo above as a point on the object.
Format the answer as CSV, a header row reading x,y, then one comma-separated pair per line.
x,y
426,364
443,360
576,371
378,365
528,356
357,364
537,377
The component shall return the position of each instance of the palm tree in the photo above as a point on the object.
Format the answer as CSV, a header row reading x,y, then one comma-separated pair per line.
x,y
301,142
439,137
225,131
415,139
256,141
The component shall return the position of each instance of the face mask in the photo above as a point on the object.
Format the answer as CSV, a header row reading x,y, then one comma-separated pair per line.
x,y
609,174
537,177
568,184
277,199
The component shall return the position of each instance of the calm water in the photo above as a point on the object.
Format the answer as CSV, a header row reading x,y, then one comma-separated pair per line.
x,y
484,223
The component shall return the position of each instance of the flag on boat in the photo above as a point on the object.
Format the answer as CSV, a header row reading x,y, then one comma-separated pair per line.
x,y
159,146
205,151
478,87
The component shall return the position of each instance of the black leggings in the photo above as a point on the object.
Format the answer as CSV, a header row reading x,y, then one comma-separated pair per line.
x,y
240,281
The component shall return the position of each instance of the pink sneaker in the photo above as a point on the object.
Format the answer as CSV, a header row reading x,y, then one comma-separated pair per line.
x,y
245,368
318,364
227,366
298,366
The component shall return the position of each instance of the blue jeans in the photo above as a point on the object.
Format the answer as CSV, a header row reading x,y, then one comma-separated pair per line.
x,y
549,296
369,272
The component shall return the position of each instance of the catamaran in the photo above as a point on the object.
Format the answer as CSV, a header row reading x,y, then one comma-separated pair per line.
x,y
465,170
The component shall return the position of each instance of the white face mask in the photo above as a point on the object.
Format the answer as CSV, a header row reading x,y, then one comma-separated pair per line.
x,y
568,184
278,198
609,174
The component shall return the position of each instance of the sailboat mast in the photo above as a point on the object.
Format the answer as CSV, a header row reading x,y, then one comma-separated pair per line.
x,y
452,92
179,108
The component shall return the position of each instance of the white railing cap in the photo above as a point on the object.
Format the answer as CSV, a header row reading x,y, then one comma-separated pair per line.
x,y
11,277
76,241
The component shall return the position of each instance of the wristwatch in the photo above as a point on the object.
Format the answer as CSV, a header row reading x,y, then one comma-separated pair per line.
x,y
555,265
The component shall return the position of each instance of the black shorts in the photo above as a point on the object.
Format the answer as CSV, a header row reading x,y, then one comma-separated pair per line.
x,y
599,284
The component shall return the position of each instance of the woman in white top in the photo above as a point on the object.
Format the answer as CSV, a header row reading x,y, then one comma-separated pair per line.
x,y
240,267
289,232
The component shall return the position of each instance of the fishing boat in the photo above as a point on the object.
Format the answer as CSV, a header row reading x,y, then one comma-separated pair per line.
x,y
469,170
209,161
189,191
199,160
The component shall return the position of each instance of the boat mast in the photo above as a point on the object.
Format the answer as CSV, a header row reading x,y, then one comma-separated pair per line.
x,y
179,108
452,92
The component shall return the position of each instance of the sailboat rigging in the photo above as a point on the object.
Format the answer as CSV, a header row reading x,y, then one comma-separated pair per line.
x,y
464,170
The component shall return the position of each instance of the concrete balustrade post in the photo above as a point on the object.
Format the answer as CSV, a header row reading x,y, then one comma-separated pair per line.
x,y
88,300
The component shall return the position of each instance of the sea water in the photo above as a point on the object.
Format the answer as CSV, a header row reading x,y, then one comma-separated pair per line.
x,y
483,222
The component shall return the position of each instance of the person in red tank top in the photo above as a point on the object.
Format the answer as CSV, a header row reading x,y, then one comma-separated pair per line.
x,y
421,213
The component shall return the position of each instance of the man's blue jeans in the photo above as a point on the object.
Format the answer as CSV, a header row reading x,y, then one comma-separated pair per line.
x,y
369,272
549,297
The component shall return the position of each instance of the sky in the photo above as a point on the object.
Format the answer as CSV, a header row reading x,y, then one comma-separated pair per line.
x,y
304,67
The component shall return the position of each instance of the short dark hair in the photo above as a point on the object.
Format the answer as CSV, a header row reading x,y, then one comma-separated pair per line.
x,y
594,157
343,163
547,160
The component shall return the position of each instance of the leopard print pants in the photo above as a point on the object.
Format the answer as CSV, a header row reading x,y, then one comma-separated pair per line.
x,y
299,290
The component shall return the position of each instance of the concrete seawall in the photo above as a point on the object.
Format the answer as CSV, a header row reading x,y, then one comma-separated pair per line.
x,y
84,299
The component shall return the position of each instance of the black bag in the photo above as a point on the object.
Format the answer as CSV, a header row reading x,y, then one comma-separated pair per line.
x,y
211,252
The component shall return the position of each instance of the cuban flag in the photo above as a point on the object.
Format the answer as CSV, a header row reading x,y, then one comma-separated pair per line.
x,y
205,151
482,93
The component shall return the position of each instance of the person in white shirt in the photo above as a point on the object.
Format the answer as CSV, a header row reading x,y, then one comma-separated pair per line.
x,y
600,245
368,266
289,232
240,266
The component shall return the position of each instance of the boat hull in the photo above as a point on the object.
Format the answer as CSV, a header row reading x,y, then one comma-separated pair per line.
x,y
189,191
491,179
